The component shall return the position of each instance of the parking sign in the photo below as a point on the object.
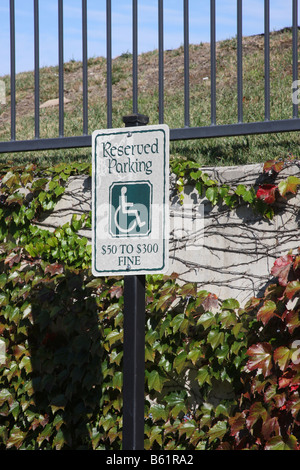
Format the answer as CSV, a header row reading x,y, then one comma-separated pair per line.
x,y
130,207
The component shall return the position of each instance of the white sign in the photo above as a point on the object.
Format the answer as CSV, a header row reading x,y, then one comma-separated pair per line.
x,y
130,207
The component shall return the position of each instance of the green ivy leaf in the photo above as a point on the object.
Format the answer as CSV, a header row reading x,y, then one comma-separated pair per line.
x,y
3,280
16,438
177,322
194,355
207,320
158,412
282,356
278,443
218,431
155,381
59,440
212,195
187,428
230,304
203,376
215,338
289,185
118,380
10,179
180,361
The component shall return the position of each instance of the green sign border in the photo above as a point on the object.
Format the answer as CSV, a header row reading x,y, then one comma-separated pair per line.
x,y
120,271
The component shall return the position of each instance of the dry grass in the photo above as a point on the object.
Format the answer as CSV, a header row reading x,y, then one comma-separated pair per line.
x,y
214,151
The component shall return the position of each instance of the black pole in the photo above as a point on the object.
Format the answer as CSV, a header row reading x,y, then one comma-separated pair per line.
x,y
134,346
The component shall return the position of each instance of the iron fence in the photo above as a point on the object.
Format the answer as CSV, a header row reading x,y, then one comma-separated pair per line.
x,y
186,132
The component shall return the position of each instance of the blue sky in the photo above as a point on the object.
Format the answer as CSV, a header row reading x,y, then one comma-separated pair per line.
x,y
281,15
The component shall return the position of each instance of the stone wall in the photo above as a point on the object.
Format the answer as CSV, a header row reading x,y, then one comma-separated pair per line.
x,y
227,252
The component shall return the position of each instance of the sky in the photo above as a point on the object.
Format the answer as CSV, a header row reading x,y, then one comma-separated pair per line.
x,y
199,11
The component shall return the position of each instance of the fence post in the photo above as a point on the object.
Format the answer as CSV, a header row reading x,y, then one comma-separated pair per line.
x,y
134,346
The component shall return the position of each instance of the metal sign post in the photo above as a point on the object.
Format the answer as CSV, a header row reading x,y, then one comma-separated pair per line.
x,y
134,347
130,215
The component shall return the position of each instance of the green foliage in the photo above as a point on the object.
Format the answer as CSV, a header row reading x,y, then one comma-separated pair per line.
x,y
61,342
261,199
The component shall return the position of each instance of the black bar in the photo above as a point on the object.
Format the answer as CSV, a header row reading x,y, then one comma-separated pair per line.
x,y
295,51
84,69
108,65
231,130
267,60
186,63
186,133
134,363
213,59
46,144
161,61
12,70
134,56
36,70
239,60
61,67
134,346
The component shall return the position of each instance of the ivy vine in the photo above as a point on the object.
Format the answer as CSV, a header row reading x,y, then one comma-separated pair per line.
x,y
61,337
261,199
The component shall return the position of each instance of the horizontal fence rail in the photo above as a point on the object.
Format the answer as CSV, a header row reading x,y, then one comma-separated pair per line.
x,y
186,132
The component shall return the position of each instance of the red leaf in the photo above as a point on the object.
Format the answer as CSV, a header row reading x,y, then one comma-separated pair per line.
x,y
260,357
282,268
266,312
210,302
273,165
266,192
256,412
13,258
296,264
116,291
283,382
292,288
286,379
292,321
269,427
54,269
237,423
268,165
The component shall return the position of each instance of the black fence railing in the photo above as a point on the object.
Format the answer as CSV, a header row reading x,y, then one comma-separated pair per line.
x,y
186,132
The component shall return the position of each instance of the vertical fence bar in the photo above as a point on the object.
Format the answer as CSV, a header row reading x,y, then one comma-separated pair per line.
x,y
213,60
295,51
12,70
267,60
84,69
186,63
36,70
61,67
108,65
134,56
161,61
240,59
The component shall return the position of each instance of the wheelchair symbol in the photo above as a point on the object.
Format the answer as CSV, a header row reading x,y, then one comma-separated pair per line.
x,y
125,209
130,213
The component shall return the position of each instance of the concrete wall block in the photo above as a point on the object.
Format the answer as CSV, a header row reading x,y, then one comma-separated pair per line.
x,y
229,253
